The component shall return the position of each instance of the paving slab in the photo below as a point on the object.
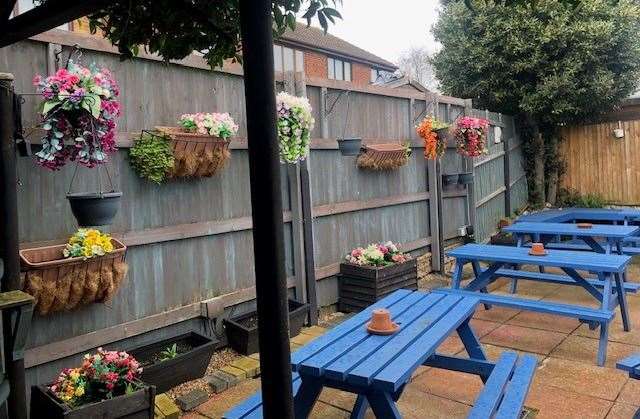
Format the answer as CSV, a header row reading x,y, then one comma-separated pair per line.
x,y
250,366
558,403
451,385
165,408
524,338
483,327
584,349
192,399
496,314
341,399
493,352
216,406
314,330
623,411
302,339
545,321
415,404
451,345
235,372
630,393
216,383
578,377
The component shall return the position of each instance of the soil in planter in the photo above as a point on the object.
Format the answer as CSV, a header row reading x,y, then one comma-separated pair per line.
x,y
182,346
249,322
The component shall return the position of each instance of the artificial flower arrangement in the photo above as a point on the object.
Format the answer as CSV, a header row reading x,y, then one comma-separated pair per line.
x,y
295,124
103,375
471,136
79,109
88,243
214,124
430,130
377,254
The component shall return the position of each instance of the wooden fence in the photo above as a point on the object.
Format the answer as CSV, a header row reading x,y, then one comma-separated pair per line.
x,y
598,162
190,244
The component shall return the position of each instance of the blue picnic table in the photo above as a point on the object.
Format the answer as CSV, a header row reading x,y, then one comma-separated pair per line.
x,y
377,368
608,289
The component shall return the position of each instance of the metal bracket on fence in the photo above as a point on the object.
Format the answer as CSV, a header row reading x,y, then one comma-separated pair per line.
x,y
419,116
333,105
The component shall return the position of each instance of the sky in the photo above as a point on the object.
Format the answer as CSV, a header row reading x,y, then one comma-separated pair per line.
x,y
387,27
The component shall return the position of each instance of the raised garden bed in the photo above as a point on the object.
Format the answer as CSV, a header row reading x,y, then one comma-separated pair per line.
x,y
137,405
361,286
194,352
242,331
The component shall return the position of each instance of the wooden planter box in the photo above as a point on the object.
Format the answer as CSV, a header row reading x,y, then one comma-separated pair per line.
x,y
196,155
361,286
244,339
185,367
137,405
61,284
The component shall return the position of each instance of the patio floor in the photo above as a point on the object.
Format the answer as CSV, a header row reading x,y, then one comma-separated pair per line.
x,y
567,383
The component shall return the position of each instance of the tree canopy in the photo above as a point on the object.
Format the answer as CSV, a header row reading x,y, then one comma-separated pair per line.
x,y
175,28
550,63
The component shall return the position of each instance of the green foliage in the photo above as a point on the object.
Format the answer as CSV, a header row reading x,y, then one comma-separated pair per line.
x,y
555,62
169,353
573,198
151,157
174,29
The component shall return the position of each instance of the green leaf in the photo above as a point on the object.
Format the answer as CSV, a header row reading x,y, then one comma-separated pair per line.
x,y
93,104
49,105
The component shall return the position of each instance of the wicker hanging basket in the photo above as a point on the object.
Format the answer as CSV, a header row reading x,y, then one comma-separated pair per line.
x,y
64,284
382,156
196,155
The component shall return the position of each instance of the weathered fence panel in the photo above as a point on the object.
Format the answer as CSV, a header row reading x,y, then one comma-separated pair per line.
x,y
190,240
597,162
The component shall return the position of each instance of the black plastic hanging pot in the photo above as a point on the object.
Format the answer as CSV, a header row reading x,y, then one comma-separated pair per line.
x,y
349,146
94,208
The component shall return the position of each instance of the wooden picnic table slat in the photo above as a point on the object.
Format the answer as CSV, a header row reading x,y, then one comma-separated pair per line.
x,y
486,405
571,229
555,258
408,358
355,322
339,368
589,214
630,363
357,338
511,406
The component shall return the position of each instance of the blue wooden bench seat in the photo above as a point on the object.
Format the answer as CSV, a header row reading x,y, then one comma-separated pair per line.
x,y
502,397
631,287
631,364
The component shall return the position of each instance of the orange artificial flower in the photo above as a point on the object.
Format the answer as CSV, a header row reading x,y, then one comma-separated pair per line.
x,y
433,146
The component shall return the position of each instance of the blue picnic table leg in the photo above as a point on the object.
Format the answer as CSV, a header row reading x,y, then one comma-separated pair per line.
x,y
306,397
360,407
622,300
604,326
472,344
383,405
476,272
514,282
457,273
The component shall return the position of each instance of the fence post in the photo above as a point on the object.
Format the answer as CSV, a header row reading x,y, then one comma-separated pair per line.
x,y
471,199
306,216
507,172
435,201
9,246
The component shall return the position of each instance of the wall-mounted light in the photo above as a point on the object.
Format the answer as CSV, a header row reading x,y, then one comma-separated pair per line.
x,y
618,132
497,134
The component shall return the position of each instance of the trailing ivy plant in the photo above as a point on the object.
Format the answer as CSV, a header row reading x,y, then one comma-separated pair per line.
x,y
152,157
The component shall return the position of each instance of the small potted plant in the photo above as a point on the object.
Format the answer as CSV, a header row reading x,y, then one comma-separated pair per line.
x,y
471,136
370,273
295,124
170,362
242,330
200,144
79,111
349,146
107,384
89,268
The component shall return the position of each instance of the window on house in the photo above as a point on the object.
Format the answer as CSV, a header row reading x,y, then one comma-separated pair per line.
x,y
287,59
338,69
377,73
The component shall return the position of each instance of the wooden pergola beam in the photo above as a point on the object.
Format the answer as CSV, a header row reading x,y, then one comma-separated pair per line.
x,y
42,18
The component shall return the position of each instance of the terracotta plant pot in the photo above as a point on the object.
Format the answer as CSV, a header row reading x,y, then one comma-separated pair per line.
x,y
349,146
584,225
537,249
381,323
94,209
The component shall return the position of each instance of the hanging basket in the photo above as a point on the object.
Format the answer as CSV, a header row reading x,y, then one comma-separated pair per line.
x,y
64,284
383,156
196,155
94,208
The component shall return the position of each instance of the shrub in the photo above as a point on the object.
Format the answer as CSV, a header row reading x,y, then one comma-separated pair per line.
x,y
573,198
152,157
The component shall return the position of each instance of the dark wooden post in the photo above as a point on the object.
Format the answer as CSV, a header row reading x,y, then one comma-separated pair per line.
x,y
471,195
10,245
266,202
435,201
506,144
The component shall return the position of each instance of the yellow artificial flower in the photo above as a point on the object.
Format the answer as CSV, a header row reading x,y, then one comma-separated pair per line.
x,y
74,375
79,391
